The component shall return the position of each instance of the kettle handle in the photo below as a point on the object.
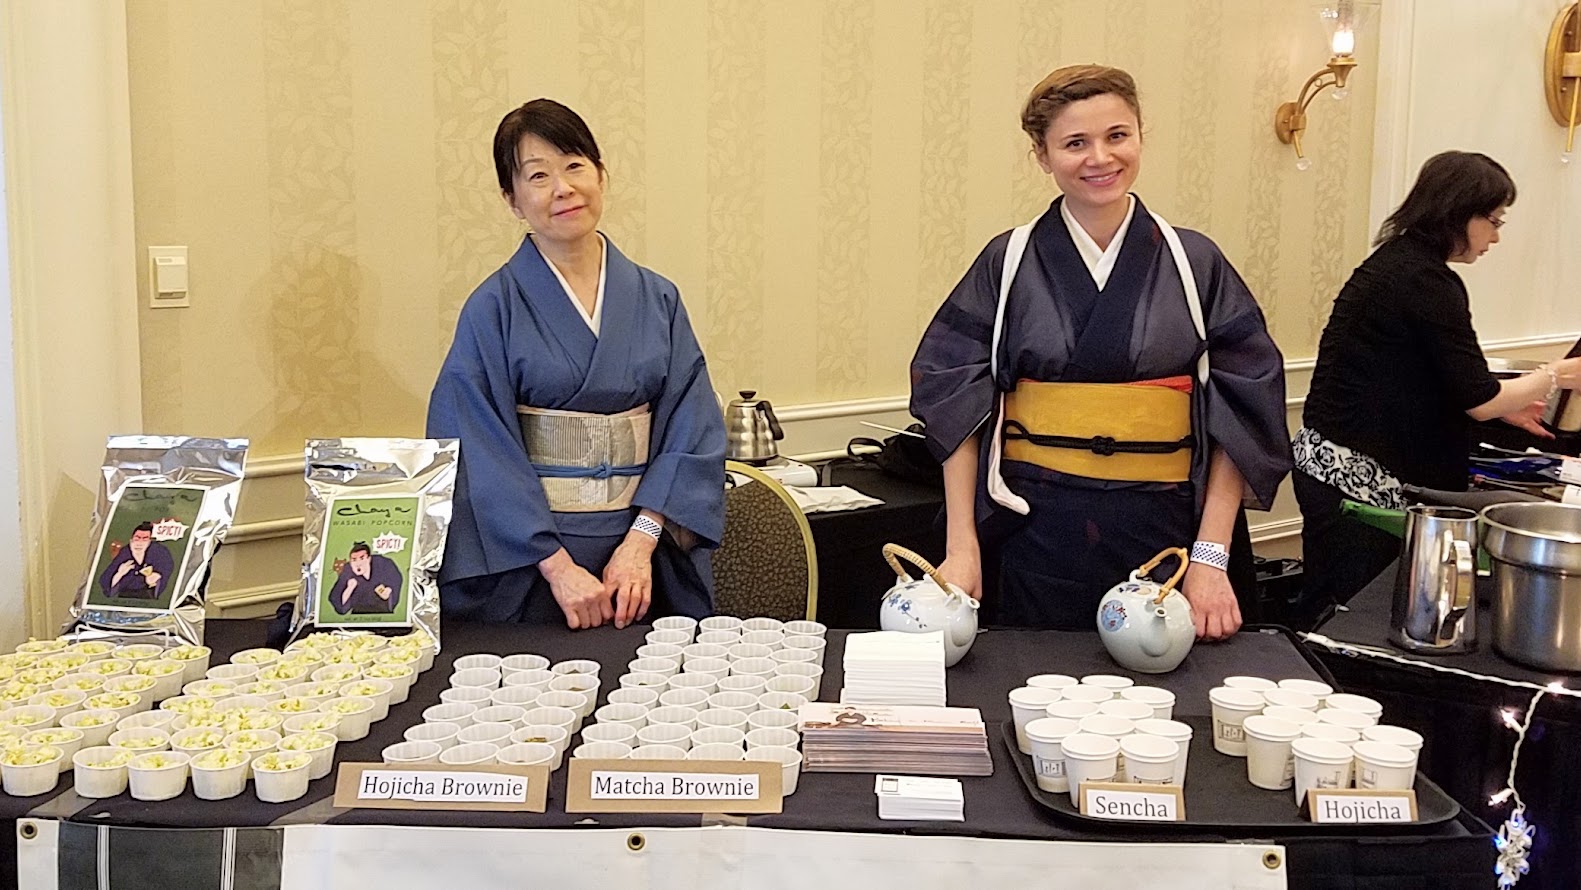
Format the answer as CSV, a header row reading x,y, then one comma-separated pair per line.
x,y
774,422
1185,562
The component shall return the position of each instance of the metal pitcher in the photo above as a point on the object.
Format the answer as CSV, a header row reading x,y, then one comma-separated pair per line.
x,y
1435,600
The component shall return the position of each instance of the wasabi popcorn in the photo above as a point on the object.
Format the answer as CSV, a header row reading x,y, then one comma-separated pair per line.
x,y
187,704
53,736
141,742
108,666
157,667
59,699
16,691
204,719
21,755
86,683
40,676
279,763
131,684
64,661
253,718
310,741
92,648
402,655
251,741
39,647
221,758
350,705
283,672
119,758
321,723
294,705
113,701
387,671
24,719
260,687
321,690
93,718
363,690
211,688
187,653
206,738
156,760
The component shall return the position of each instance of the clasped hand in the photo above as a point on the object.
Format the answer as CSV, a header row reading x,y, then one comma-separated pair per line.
x,y
623,595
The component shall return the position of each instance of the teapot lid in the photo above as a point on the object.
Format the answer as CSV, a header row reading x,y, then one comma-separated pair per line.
x,y
748,399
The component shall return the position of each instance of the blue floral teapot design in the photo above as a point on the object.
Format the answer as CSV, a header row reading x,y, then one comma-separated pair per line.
x,y
928,604
1147,626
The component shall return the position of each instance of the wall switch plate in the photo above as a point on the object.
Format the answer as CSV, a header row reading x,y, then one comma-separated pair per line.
x,y
167,278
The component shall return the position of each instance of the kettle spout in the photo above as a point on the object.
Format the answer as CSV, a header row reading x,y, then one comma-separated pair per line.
x,y
1155,633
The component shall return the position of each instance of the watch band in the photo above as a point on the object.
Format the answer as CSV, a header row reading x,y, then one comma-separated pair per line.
x,y
1211,554
647,526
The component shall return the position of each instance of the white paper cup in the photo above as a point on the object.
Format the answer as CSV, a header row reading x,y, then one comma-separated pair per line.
x,y
725,638
719,735
316,692
624,733
95,735
478,660
148,781
67,740
1052,681
1361,704
577,666
336,673
64,702
694,698
194,667
1162,701
1350,719
716,752
815,645
754,686
142,739
682,623
774,719
762,623
805,628
524,661
555,737
666,651
713,667
1088,758
649,679
1383,766
320,746
1044,738
669,637
634,716
33,779
796,656
788,758
1291,698
1109,725
772,738
1291,715
356,716
268,690
1269,763
1149,759
537,678
1255,684
460,713
1113,682
802,686
411,752
745,702
239,702
523,697
442,734
1394,735
195,740
496,734
707,683
1175,731
92,777
1328,732
1086,693
602,751
1130,710
528,754
507,714
315,721
280,785
476,678
219,782
719,622
1070,710
1320,764
1313,688
1027,704
267,740
233,673
547,716
658,752
741,651
474,754
1231,707
578,703
377,691
666,734
813,672
721,717
586,684
29,717
148,720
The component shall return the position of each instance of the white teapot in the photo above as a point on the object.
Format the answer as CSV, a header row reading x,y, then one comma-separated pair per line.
x,y
1147,626
928,604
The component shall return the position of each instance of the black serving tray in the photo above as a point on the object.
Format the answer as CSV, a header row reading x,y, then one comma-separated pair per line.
x,y
1220,799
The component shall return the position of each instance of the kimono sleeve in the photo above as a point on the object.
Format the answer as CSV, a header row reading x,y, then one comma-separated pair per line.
x,y
500,518
685,476
1245,395
952,386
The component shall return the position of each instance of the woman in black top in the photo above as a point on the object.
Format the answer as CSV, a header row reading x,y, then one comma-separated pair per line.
x,y
1400,376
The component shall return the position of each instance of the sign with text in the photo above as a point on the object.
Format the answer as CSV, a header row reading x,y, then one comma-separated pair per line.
x,y
1356,805
439,787
1132,803
1570,470
673,786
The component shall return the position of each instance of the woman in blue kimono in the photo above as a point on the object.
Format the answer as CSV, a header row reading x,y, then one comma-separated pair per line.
x,y
1099,386
591,484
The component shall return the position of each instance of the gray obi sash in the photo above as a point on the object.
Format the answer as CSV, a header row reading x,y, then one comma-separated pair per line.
x,y
588,463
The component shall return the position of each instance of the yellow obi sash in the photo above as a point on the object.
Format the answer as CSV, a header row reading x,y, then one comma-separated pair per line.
x,y
1123,432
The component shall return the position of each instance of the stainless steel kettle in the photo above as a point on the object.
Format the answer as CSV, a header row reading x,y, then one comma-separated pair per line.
x,y
751,429
1435,603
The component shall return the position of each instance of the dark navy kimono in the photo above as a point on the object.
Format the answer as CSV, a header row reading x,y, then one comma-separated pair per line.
x,y
1084,535
519,341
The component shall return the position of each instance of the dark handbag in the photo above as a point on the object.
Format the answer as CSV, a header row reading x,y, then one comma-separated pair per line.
x,y
904,457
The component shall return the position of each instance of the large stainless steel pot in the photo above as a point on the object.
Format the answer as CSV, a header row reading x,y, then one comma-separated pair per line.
x,y
1536,553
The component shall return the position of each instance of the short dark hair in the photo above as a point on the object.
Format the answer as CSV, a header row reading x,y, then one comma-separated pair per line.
x,y
144,527
550,121
363,546
1071,84
1452,188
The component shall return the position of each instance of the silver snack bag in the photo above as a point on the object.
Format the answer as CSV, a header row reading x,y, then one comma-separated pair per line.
x,y
164,506
378,511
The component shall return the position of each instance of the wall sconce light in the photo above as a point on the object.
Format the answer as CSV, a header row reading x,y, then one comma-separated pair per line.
x,y
1562,72
1341,20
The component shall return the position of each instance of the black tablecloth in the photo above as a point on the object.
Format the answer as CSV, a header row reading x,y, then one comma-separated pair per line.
x,y
1457,854
852,574
1467,747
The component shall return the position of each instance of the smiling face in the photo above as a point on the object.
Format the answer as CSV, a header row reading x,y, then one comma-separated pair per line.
x,y
561,196
1482,232
1093,149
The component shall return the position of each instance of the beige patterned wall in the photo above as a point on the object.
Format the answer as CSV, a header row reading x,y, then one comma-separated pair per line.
x,y
814,175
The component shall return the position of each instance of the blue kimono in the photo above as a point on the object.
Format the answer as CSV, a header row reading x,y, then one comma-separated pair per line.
x,y
520,341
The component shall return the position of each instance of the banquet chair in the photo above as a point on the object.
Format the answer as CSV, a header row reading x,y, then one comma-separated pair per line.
x,y
766,564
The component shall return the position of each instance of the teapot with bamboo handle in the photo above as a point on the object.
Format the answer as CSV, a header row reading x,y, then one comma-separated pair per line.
x,y
928,604
1147,626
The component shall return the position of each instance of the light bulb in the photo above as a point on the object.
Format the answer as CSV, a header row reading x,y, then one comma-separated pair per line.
x,y
1344,41
1340,93
1303,164
1565,158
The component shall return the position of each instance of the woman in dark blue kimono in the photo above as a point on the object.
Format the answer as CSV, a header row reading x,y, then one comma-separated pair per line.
x,y
1099,386
591,483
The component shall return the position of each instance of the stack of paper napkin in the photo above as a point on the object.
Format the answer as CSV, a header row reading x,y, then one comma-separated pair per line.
x,y
893,668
